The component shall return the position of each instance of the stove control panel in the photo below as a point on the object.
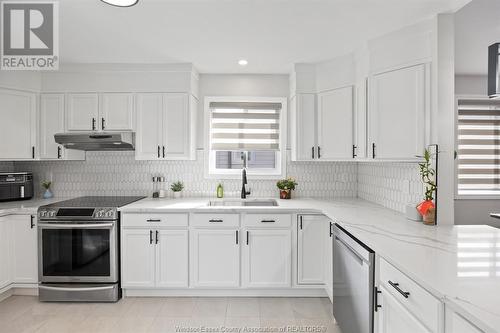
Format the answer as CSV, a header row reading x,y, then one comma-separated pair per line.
x,y
50,213
105,213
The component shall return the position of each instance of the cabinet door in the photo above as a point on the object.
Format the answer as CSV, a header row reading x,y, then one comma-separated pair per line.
x,y
303,127
215,258
116,112
335,124
328,264
24,249
5,252
361,120
397,116
18,128
51,122
311,249
455,323
176,126
394,318
149,126
138,258
267,258
172,258
82,112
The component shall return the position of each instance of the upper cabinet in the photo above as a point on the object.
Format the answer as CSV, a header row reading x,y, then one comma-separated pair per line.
x,y
399,103
165,126
303,123
18,127
100,112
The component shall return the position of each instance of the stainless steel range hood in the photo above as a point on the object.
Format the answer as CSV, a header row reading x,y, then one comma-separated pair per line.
x,y
494,70
91,141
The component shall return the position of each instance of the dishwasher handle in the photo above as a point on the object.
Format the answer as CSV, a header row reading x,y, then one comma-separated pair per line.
x,y
350,249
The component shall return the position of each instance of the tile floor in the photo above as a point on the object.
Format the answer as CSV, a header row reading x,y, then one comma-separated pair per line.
x,y
167,315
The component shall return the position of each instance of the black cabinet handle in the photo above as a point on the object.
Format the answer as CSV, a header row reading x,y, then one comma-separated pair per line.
x,y
59,152
150,236
32,223
331,229
375,299
300,223
158,151
267,221
319,152
157,239
401,291
215,221
33,152
93,124
163,151
373,150
248,235
153,220
354,155
313,152
103,122
237,240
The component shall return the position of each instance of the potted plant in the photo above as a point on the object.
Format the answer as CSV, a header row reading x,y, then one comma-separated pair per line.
x,y
48,193
286,186
177,187
427,208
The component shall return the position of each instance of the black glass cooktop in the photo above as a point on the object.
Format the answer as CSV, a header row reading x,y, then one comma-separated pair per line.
x,y
94,202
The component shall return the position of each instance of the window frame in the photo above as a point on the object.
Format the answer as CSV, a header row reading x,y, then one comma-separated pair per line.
x,y
209,164
455,130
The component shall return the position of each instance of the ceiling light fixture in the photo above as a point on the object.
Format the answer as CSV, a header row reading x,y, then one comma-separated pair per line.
x,y
121,3
242,62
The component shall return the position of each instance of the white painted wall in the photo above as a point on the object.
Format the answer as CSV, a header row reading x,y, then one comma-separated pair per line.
x,y
471,84
21,80
255,85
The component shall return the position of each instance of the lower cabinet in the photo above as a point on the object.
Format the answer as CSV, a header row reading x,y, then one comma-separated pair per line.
x,y
215,258
456,323
267,258
5,252
311,231
154,258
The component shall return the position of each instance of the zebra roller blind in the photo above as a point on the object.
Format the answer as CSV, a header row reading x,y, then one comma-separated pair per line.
x,y
245,126
478,155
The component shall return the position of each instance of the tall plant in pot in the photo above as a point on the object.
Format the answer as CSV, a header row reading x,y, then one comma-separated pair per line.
x,y
427,208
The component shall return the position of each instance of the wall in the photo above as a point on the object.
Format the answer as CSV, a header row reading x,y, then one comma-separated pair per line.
x,y
471,85
118,173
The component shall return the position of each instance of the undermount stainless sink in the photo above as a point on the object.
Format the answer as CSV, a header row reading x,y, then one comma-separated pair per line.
x,y
245,203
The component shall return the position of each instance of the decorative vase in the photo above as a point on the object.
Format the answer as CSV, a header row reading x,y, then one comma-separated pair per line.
x,y
285,194
48,194
430,216
177,195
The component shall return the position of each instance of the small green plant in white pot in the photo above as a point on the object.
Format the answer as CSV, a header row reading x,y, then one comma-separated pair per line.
x,y
177,188
48,193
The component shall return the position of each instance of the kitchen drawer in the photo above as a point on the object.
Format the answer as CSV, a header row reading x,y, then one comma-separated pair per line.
x,y
267,220
419,302
215,220
155,220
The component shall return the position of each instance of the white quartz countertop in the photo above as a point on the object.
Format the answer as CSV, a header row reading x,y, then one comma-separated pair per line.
x,y
24,207
458,264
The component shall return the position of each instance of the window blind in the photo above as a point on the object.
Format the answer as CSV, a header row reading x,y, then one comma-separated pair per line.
x,y
244,126
478,147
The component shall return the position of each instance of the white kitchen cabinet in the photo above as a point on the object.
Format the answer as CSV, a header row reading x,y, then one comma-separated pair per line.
x,y
82,112
328,263
267,258
335,124
456,323
18,128
24,249
399,104
215,257
5,252
393,317
361,120
52,117
165,126
116,112
172,258
303,127
138,258
311,230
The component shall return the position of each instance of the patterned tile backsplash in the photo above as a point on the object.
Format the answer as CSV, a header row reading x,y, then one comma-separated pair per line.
x,y
118,173
390,184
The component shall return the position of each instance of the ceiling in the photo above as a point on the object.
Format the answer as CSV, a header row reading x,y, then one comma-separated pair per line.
x,y
214,34
477,26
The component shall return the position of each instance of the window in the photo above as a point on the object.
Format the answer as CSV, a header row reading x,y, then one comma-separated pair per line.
x,y
245,131
478,153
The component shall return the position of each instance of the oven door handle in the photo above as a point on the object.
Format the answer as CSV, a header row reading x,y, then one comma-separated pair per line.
x,y
76,225
76,289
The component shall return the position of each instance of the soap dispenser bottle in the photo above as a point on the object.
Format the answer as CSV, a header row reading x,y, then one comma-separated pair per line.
x,y
220,191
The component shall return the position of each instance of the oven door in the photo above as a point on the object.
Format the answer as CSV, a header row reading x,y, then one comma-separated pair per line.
x,y
77,251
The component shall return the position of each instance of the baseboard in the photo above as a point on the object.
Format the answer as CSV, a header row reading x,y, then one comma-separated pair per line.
x,y
21,289
225,292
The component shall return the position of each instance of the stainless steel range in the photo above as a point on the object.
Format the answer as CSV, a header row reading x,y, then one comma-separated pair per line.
x,y
78,249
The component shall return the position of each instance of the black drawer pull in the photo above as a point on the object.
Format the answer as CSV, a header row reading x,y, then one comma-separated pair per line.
x,y
237,238
396,286
150,236
331,229
268,221
248,235
375,299
156,240
215,221
158,151
32,223
313,152
153,220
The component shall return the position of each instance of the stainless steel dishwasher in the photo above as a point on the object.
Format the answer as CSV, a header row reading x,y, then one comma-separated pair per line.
x,y
353,282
